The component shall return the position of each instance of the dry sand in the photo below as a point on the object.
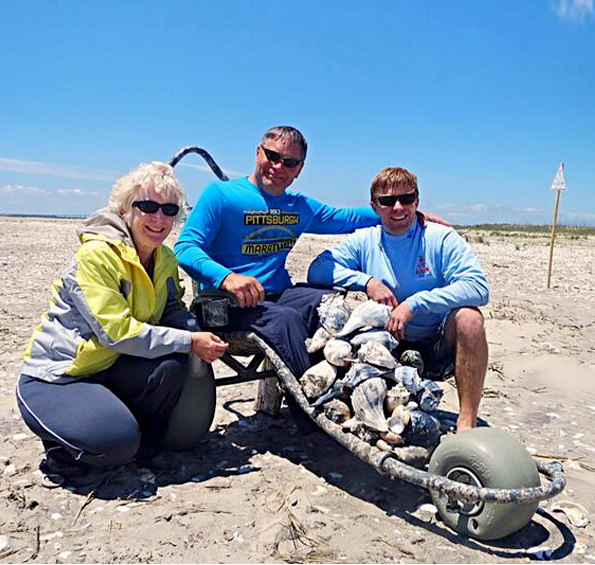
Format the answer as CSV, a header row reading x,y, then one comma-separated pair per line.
x,y
256,491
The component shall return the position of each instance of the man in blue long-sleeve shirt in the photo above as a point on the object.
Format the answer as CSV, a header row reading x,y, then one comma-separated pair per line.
x,y
240,232
430,277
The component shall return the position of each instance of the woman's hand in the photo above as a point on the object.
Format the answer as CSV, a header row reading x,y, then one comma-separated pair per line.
x,y
207,346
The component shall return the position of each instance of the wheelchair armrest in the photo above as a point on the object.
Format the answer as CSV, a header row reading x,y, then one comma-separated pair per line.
x,y
212,294
210,307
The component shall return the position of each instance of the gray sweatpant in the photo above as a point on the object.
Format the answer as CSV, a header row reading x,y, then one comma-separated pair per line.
x,y
109,418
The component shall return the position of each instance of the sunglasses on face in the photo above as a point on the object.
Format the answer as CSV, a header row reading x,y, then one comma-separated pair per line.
x,y
389,200
275,157
151,207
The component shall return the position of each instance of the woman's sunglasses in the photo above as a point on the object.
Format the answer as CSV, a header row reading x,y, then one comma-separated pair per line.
x,y
275,157
151,207
390,200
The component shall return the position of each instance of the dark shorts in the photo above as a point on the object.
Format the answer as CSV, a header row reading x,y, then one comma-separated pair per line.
x,y
439,360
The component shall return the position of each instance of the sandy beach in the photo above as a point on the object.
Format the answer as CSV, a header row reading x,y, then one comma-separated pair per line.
x,y
256,491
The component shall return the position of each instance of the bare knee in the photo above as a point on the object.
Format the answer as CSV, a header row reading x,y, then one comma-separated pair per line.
x,y
468,323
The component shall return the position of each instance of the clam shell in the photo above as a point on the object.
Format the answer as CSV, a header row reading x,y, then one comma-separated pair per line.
x,y
398,395
383,337
367,400
413,358
337,411
318,379
334,312
375,353
576,513
317,341
338,352
368,313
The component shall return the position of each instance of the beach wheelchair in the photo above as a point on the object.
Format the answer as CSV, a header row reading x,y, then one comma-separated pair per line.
x,y
483,482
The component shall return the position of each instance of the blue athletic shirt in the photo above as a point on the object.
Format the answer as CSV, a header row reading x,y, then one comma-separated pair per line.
x,y
236,227
431,267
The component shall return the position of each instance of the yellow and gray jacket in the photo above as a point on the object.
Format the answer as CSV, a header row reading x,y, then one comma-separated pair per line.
x,y
106,305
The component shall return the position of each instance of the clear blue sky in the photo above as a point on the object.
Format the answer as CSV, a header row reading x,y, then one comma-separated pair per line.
x,y
482,100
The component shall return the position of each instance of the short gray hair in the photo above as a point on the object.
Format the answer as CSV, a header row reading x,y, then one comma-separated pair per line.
x,y
156,175
289,134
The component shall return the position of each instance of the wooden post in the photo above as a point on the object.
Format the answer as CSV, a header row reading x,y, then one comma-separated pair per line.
x,y
549,269
268,393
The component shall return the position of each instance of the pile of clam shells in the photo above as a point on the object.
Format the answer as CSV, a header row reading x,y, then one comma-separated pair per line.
x,y
362,386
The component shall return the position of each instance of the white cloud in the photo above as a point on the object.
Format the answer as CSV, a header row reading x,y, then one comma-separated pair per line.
x,y
54,170
76,192
35,191
579,217
528,210
19,189
575,9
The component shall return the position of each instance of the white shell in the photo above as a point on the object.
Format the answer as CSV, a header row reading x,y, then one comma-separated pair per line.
x,y
368,313
399,420
381,336
334,312
375,353
338,352
367,400
318,379
398,395
409,377
318,340
337,411
576,513
351,424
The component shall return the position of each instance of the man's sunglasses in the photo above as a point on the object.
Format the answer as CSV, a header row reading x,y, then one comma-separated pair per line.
x,y
389,200
151,207
275,157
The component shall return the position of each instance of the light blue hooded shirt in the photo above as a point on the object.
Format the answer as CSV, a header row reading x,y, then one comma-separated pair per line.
x,y
432,267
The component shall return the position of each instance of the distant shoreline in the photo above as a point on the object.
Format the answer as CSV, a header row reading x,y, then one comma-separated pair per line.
x,y
47,216
581,230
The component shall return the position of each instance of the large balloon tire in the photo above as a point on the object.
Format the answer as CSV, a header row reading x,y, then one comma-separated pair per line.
x,y
491,458
193,415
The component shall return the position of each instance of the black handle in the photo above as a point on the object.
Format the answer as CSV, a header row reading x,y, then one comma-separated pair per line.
x,y
204,154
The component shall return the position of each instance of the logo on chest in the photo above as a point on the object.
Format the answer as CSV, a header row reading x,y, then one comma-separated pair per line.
x,y
272,234
421,267
271,217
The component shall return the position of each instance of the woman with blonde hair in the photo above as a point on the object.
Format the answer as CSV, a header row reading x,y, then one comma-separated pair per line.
x,y
106,366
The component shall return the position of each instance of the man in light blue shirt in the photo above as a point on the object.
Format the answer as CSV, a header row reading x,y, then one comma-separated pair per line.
x,y
430,277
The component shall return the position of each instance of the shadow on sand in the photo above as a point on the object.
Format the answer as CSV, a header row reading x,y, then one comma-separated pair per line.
x,y
228,450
